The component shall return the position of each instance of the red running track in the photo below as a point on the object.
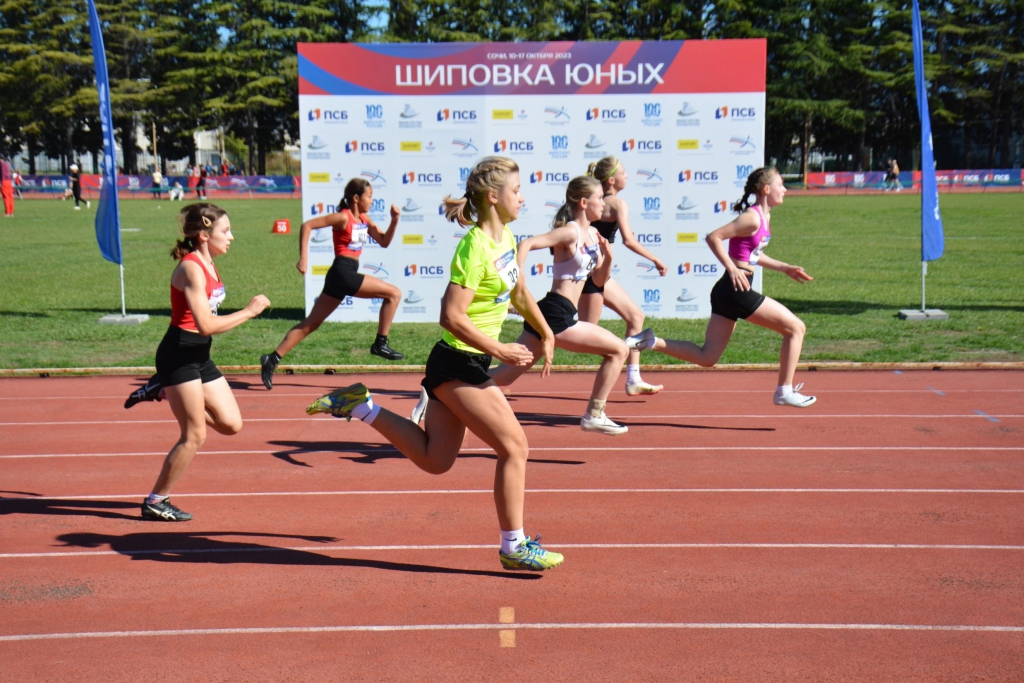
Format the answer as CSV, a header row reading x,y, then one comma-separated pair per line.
x,y
877,536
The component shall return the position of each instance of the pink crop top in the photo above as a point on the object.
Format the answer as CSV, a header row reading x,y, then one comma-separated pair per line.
x,y
582,262
749,249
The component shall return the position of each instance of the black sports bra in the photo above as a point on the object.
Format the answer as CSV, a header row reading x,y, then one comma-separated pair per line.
x,y
607,229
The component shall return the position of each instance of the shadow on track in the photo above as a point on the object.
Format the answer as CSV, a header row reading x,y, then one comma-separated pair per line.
x,y
202,548
369,453
76,508
540,420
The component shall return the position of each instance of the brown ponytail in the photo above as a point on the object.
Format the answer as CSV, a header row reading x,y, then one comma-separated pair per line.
x,y
603,170
579,188
490,174
194,219
756,181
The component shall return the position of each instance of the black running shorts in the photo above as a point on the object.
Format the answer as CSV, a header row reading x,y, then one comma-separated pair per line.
x,y
728,303
184,356
558,312
446,364
344,278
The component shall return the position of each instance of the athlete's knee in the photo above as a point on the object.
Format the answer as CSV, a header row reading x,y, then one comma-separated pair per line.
x,y
307,327
230,427
796,328
515,449
620,351
393,294
634,321
193,439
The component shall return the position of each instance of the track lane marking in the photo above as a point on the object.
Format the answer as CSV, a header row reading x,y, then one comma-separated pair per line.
x,y
419,492
540,626
367,451
571,546
688,416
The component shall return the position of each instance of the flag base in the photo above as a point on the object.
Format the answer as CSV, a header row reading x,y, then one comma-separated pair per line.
x,y
928,314
136,319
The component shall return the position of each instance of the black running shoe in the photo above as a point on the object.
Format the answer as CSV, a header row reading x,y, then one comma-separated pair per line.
x,y
164,512
151,391
267,367
384,351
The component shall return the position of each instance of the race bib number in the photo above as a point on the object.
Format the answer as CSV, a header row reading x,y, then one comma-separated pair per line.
x,y
217,298
755,255
360,235
508,273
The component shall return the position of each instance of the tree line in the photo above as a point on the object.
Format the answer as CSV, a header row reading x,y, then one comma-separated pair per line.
x,y
840,72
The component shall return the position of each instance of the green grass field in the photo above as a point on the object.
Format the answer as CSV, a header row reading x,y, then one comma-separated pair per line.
x,y
863,252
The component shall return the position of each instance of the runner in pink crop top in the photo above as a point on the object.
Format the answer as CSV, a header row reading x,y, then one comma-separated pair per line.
x,y
749,248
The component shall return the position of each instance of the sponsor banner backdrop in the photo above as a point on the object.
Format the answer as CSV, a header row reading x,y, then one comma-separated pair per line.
x,y
685,119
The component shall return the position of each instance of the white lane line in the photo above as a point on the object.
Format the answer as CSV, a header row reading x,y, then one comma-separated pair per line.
x,y
620,417
536,449
427,492
240,548
498,627
367,451
412,394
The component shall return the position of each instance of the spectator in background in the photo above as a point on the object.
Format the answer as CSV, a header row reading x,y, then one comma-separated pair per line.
x,y
223,168
241,168
895,173
204,171
7,187
17,180
231,169
158,183
76,188
176,192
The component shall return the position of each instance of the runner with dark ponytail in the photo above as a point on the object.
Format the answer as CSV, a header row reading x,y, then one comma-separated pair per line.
x,y
351,229
733,297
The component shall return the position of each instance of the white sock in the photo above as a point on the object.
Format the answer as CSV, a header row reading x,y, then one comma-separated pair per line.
x,y
633,374
784,390
367,412
155,498
510,540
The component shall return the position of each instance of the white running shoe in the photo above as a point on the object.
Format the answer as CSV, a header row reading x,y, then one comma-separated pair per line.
x,y
643,341
637,388
795,398
602,424
421,407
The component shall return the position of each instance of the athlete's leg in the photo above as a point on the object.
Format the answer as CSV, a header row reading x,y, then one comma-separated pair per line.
x,y
375,288
222,412
589,307
323,307
775,316
584,337
433,449
504,375
716,338
188,405
615,298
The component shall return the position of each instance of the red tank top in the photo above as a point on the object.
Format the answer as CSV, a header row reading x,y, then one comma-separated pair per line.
x,y
181,313
349,241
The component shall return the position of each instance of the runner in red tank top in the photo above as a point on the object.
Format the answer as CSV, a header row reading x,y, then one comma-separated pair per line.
x,y
198,393
352,228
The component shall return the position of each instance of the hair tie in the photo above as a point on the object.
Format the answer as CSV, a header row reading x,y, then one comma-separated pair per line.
x,y
610,173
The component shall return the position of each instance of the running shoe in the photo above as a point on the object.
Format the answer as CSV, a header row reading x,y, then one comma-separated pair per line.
x,y
637,388
602,424
267,367
383,350
420,409
340,402
164,512
643,341
795,398
529,556
152,390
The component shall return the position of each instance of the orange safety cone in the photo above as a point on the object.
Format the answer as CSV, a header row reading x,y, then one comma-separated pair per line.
x,y
282,226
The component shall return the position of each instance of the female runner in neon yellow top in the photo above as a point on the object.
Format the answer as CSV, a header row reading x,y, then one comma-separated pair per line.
x,y
485,278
